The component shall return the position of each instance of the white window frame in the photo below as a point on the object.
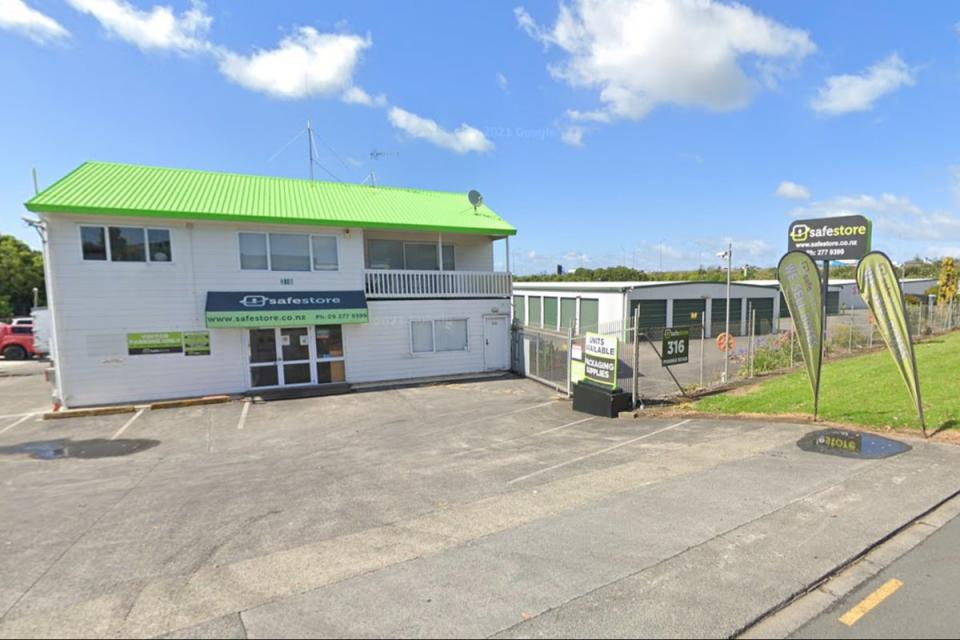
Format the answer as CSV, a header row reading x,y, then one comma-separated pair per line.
x,y
310,237
433,329
403,245
106,239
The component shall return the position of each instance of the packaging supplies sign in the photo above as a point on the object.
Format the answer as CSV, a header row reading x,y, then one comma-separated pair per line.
x,y
800,284
600,359
156,342
841,238
880,289
196,343
676,347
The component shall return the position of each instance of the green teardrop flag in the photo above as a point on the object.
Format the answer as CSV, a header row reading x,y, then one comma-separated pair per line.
x,y
880,289
800,285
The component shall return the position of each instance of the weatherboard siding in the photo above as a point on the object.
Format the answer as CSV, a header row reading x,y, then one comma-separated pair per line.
x,y
98,303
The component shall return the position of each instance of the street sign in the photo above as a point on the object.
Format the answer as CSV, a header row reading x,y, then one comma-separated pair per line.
x,y
841,238
676,347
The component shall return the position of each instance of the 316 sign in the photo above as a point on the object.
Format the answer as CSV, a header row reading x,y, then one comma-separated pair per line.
x,y
676,347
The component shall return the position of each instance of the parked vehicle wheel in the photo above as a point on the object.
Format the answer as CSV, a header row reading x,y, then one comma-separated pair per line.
x,y
15,352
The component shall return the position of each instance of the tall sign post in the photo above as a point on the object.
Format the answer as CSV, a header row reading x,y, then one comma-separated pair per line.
x,y
826,239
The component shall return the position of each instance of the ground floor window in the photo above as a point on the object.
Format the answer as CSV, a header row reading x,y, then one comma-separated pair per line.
x,y
290,356
429,336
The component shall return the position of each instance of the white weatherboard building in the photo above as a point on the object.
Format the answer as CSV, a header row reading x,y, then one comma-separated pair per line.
x,y
166,283
608,307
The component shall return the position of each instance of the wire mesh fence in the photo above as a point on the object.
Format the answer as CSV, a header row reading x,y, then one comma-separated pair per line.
x,y
551,356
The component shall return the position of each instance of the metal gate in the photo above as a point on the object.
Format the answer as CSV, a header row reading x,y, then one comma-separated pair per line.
x,y
542,355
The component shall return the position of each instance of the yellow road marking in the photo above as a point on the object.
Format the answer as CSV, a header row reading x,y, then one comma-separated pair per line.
x,y
885,591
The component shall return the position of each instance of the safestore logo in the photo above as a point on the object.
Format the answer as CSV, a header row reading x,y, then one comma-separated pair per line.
x,y
253,301
799,232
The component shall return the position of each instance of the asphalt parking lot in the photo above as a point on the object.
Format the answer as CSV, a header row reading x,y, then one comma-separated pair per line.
x,y
469,509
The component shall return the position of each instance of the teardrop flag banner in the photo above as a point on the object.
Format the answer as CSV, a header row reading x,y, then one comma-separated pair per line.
x,y
880,289
800,285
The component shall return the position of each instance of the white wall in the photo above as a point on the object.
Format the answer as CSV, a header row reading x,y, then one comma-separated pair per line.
x,y
381,349
96,304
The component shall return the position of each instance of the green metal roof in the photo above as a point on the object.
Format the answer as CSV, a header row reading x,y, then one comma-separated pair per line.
x,y
133,190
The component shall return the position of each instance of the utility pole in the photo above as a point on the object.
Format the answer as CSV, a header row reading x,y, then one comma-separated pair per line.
x,y
728,254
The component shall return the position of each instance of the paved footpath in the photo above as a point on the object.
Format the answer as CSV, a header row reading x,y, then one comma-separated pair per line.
x,y
915,597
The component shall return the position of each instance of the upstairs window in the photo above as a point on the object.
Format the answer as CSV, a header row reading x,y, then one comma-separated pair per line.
x,y
126,244
417,256
288,252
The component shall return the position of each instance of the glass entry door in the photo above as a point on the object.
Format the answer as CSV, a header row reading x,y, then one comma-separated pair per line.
x,y
291,356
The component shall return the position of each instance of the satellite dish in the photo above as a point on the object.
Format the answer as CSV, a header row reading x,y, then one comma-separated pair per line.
x,y
475,198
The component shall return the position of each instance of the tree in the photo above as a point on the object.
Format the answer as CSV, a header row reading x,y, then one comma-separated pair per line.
x,y
947,284
21,269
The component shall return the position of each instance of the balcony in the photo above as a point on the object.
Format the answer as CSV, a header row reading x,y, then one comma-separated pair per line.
x,y
404,283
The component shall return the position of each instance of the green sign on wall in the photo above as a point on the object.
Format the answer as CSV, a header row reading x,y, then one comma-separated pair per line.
x,y
196,343
139,344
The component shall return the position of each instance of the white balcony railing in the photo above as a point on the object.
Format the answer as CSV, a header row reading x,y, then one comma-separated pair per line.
x,y
397,283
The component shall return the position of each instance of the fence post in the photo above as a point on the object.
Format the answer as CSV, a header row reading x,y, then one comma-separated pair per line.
x,y
850,337
753,335
791,349
569,359
703,336
635,387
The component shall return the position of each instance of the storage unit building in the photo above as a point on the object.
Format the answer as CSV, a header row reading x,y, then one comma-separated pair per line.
x,y
166,283
608,307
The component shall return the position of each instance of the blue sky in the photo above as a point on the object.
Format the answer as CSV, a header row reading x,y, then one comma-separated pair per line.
x,y
602,129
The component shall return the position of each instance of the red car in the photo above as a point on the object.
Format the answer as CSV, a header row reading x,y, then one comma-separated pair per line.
x,y
16,339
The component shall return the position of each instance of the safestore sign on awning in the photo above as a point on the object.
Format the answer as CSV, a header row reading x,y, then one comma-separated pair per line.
x,y
250,309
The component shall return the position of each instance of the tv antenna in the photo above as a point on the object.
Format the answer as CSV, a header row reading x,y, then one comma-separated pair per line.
x,y
375,155
475,199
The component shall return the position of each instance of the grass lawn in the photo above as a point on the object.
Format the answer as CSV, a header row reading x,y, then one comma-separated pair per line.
x,y
864,390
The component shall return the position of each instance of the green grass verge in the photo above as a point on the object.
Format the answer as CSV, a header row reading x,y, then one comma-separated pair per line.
x,y
864,390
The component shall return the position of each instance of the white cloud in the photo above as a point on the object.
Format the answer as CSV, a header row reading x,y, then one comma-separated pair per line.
x,y
572,136
793,191
502,82
159,29
15,15
848,93
462,140
642,53
896,217
306,63
356,95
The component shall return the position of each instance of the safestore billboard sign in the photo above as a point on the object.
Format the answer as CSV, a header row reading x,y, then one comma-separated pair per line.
x,y
250,309
600,359
841,238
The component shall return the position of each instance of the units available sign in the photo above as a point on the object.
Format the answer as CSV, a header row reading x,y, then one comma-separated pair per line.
x,y
252,309
139,344
600,359
676,347
842,238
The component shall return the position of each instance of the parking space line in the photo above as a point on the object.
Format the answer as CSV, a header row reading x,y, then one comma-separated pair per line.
x,y
563,426
127,424
243,415
16,422
597,453
508,413
885,591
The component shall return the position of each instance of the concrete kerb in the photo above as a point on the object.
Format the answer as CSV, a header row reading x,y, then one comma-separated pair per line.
x,y
107,410
789,616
